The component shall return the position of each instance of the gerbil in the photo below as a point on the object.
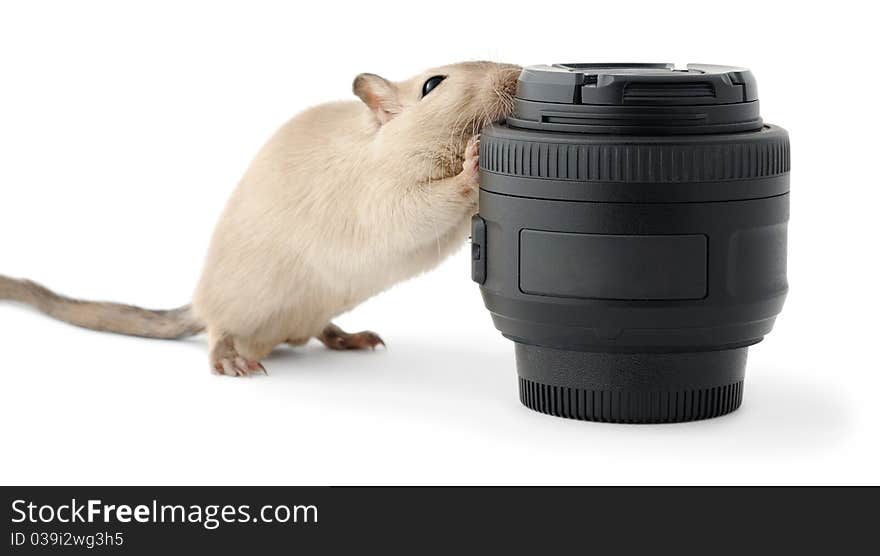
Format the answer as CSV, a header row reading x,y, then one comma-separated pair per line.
x,y
345,200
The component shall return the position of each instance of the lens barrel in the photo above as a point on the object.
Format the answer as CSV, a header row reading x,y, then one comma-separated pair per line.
x,y
631,238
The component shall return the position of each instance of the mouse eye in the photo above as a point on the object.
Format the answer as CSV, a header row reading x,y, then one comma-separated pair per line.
x,y
431,83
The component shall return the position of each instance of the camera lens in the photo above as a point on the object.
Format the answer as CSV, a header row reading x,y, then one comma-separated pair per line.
x,y
631,238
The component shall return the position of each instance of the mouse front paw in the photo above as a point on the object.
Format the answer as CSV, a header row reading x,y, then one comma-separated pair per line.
x,y
470,170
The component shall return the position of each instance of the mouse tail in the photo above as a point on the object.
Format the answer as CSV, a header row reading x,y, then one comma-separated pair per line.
x,y
106,317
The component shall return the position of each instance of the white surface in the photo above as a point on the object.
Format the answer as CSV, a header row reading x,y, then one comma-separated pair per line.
x,y
123,129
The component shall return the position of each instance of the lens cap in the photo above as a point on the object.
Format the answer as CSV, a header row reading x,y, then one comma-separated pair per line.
x,y
637,99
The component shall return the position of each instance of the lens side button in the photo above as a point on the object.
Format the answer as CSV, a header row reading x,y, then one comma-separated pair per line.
x,y
478,249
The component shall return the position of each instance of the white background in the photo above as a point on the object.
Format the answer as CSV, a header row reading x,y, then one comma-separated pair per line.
x,y
124,127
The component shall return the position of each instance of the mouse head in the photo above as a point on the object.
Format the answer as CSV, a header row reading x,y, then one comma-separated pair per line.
x,y
440,109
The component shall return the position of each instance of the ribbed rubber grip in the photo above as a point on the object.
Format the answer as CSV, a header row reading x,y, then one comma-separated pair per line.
x,y
636,163
630,387
630,407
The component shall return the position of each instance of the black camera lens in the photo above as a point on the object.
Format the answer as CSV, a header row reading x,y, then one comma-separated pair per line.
x,y
631,238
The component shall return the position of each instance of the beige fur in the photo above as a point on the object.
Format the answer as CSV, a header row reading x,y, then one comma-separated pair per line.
x,y
345,200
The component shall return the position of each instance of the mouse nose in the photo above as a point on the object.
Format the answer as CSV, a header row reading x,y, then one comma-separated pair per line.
x,y
509,85
505,79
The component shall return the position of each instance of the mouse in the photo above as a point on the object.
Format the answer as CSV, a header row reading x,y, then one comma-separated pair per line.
x,y
345,200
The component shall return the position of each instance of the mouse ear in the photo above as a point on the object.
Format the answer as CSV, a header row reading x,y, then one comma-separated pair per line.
x,y
379,94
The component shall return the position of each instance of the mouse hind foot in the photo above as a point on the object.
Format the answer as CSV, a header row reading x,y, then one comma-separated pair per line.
x,y
338,339
226,360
